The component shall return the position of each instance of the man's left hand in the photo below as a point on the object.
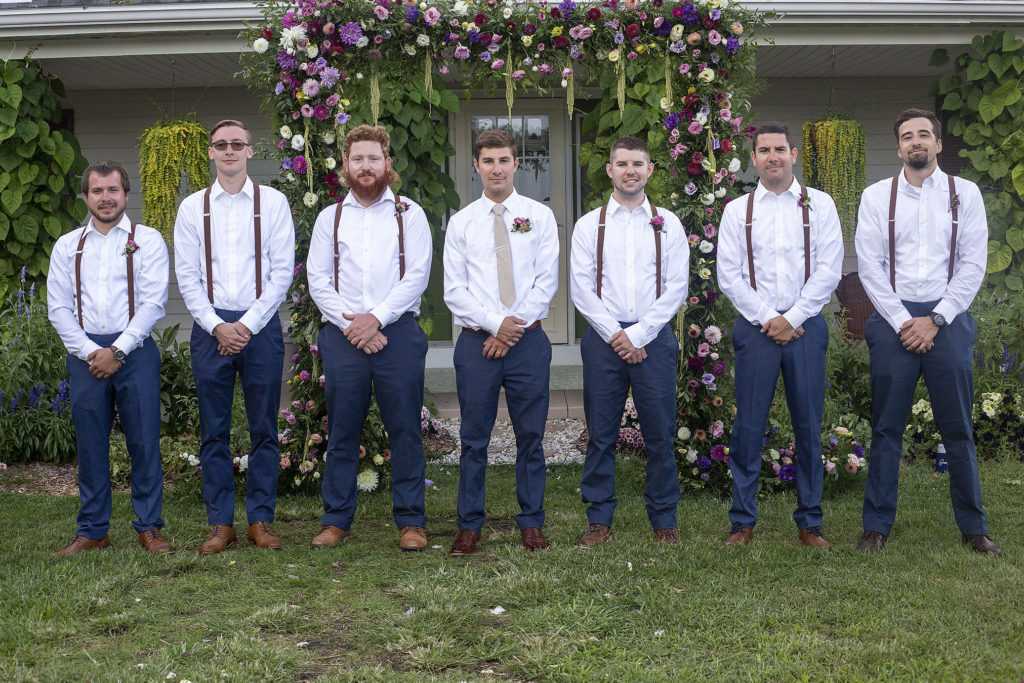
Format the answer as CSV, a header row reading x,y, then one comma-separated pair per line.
x,y
363,328
780,331
918,334
103,364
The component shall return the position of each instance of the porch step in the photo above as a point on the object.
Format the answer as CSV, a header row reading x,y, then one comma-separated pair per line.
x,y
563,403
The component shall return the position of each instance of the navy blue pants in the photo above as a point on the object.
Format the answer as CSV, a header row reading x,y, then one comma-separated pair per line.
x,y
259,365
758,362
949,376
525,372
395,376
606,383
135,389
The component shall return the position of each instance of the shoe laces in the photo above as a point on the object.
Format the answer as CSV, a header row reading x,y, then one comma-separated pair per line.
x,y
153,534
595,527
816,530
264,527
738,526
531,534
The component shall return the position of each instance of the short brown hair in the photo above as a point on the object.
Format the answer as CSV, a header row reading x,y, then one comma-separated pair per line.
x,y
103,168
631,143
495,138
226,123
364,133
918,114
773,128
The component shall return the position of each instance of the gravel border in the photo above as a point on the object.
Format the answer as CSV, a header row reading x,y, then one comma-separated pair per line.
x,y
560,438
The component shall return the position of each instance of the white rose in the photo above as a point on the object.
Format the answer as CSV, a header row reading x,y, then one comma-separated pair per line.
x,y
362,42
707,199
409,50
378,460
359,74
683,434
311,51
706,246
286,132
734,165
707,75
700,118
309,199
328,138
705,274
691,456
330,163
720,192
260,45
527,41
507,12
298,142
460,7
423,40
676,33
290,177
666,104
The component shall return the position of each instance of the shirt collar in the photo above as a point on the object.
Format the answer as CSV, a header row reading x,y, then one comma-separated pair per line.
x,y
125,225
761,192
217,189
614,206
936,179
350,199
488,205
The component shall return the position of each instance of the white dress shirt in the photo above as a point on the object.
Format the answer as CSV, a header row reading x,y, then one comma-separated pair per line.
x,y
105,287
368,266
777,237
232,235
924,226
629,269
471,266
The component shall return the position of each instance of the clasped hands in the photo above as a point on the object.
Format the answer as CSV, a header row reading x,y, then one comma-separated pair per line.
x,y
780,331
231,338
364,332
510,332
622,345
102,363
918,334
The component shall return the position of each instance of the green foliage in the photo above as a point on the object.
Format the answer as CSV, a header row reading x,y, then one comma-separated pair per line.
x,y
834,162
35,409
178,399
39,169
984,94
168,151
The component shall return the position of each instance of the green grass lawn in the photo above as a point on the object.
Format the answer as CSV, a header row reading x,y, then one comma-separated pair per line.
x,y
925,608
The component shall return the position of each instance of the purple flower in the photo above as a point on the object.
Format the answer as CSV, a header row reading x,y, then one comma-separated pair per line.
x,y
787,473
619,38
718,453
279,88
290,20
732,46
690,15
567,6
716,14
411,13
286,61
719,369
461,52
295,358
703,462
299,164
350,33
329,77
485,56
342,118
695,363
707,379
671,121
286,164
321,112
690,189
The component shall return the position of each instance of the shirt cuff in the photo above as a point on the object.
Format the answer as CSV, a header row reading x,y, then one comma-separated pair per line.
x,y
88,349
383,316
492,323
250,320
795,317
900,318
635,333
124,343
765,314
210,322
947,310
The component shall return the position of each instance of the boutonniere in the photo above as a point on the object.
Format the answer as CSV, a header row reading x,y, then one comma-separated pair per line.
x,y
521,225
401,207
130,247
804,201
954,201
658,222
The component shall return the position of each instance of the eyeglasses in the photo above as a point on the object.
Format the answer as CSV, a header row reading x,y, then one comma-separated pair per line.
x,y
221,145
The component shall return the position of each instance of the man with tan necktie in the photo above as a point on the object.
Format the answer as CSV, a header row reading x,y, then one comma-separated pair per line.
x,y
500,274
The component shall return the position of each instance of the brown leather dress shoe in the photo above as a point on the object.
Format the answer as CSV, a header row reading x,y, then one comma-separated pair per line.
x,y
981,543
222,537
82,543
533,539
871,541
670,536
413,538
740,535
812,538
262,536
154,543
330,536
596,535
465,543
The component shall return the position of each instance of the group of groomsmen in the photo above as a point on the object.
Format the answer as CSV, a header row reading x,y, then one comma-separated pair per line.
x,y
921,258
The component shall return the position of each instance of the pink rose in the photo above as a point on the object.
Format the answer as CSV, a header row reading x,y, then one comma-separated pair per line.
x,y
518,75
381,12
497,64
285,462
714,37
684,68
304,376
695,128
431,16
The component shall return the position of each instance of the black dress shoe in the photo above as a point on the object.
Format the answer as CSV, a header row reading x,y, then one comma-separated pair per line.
x,y
981,543
871,541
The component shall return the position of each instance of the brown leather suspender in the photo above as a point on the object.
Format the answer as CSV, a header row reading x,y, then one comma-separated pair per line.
x,y
258,239
130,265
805,210
401,243
954,204
600,250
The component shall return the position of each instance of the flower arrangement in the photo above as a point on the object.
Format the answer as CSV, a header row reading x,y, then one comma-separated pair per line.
x,y
401,207
658,222
631,440
521,225
130,247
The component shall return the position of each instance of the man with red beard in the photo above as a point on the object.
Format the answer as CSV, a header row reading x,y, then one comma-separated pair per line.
x,y
369,261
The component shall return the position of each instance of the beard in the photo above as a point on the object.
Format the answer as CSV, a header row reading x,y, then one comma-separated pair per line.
x,y
918,163
371,192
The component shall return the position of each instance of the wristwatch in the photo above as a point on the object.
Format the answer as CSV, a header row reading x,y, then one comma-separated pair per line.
x,y
938,319
118,354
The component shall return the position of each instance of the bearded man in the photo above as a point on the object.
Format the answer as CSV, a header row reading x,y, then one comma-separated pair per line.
x,y
368,265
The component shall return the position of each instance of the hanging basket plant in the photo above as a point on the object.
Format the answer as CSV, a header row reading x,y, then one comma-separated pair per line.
x,y
168,152
834,162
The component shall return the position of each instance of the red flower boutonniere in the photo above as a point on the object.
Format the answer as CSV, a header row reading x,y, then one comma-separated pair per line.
x,y
954,201
130,247
658,222
521,225
401,207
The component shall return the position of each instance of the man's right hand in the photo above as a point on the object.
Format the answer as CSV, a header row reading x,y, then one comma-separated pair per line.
x,y
231,338
494,348
376,344
510,331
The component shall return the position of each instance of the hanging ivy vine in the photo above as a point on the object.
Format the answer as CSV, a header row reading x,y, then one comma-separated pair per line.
x,y
169,151
834,161
984,94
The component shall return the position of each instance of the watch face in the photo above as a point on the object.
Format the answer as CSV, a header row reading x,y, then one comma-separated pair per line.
x,y
939,319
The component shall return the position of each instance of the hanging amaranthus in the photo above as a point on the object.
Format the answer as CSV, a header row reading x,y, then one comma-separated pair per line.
x,y
166,152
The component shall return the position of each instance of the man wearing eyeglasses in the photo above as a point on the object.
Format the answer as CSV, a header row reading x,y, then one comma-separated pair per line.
x,y
234,254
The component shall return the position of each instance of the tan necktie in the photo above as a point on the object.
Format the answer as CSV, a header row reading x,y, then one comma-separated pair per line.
x,y
503,252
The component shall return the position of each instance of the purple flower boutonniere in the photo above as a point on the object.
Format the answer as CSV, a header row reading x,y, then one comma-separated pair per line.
x,y
954,201
401,207
130,247
521,225
804,201
658,222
